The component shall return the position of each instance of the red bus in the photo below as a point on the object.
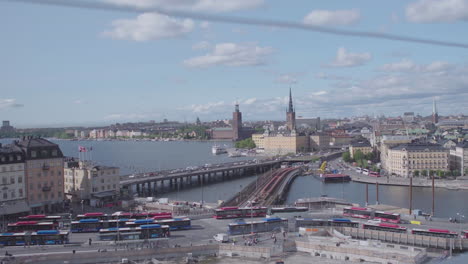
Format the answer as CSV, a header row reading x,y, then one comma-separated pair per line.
x,y
374,174
236,212
357,212
387,217
464,233
385,227
41,218
23,226
435,232
96,215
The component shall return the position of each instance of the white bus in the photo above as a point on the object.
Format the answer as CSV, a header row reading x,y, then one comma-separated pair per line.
x,y
359,170
365,171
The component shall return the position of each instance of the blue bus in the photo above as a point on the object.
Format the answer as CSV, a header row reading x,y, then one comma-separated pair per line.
x,y
41,237
134,233
177,223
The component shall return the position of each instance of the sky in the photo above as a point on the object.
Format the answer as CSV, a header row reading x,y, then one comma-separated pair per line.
x,y
65,66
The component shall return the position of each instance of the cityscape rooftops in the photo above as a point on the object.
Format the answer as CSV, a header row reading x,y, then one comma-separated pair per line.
x,y
419,147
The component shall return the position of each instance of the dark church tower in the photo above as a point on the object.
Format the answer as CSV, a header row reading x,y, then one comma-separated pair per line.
x,y
236,123
435,115
290,114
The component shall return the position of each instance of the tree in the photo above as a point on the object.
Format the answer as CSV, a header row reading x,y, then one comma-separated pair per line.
x,y
466,172
370,156
432,172
440,173
247,143
456,173
416,173
424,173
358,155
346,156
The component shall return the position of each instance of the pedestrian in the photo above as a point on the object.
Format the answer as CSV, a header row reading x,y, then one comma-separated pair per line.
x,y
90,241
274,240
74,251
284,233
6,253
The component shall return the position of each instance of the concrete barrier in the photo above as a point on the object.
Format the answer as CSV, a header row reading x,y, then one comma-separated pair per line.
x,y
244,251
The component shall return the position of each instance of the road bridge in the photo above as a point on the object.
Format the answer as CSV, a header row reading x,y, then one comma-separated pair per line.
x,y
149,183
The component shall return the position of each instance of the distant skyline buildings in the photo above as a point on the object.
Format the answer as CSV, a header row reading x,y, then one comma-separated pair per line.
x,y
137,67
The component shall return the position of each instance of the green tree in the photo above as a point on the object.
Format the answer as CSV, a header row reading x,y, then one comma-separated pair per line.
x,y
424,173
416,173
346,156
456,173
247,143
440,173
370,156
358,155
432,172
466,172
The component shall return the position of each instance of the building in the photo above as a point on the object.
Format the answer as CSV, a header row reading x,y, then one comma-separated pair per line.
x,y
87,181
340,140
6,127
403,160
459,158
236,123
12,179
236,132
290,114
43,174
363,146
259,140
281,144
319,141
408,117
303,123
388,141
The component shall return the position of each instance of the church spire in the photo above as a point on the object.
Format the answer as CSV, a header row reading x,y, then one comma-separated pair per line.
x,y
434,106
291,108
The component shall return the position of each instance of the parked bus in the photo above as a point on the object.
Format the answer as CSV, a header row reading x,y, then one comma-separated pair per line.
x,y
357,212
309,222
86,225
435,233
176,223
47,218
139,222
236,212
42,237
385,227
374,174
96,215
288,209
387,217
134,233
275,224
23,226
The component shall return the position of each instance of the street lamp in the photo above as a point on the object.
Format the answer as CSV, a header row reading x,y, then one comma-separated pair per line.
x,y
460,220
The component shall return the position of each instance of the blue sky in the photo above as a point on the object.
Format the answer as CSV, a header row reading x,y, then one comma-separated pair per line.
x,y
66,66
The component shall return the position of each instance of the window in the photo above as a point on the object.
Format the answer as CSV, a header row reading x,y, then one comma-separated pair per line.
x,y
20,179
13,194
52,173
59,173
5,195
59,194
3,169
45,173
46,196
51,183
102,188
44,153
108,187
12,168
54,153
114,186
39,196
52,195
20,167
20,192
31,186
12,180
18,157
4,180
11,158
33,154
38,174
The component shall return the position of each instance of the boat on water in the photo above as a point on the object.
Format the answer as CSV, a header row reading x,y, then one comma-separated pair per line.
x,y
216,150
335,178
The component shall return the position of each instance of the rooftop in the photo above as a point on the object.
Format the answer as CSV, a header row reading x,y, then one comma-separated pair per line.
x,y
419,147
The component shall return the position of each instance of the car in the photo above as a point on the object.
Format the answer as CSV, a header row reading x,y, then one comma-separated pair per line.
x,y
221,237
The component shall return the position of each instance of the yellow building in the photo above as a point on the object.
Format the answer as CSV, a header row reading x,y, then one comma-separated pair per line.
x,y
364,147
84,180
281,144
404,159
259,140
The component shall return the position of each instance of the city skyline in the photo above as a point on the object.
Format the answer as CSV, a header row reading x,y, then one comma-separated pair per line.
x,y
107,67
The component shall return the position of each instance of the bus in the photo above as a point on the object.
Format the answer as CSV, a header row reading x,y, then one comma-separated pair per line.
x,y
385,227
134,233
435,233
357,212
176,223
274,224
236,212
464,234
96,215
358,170
139,222
387,217
86,225
288,209
23,226
365,171
48,218
41,237
309,222
142,215
374,174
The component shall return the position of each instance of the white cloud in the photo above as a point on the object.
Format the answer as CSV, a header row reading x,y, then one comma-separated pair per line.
x,y
428,11
9,103
287,78
78,101
250,101
149,26
328,17
193,5
232,54
319,93
407,65
348,59
205,25
202,45
326,76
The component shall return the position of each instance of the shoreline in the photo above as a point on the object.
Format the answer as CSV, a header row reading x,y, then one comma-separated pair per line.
x,y
417,182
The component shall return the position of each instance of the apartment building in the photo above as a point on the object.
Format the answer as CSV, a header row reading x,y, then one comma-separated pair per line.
x,y
43,174
404,159
459,158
